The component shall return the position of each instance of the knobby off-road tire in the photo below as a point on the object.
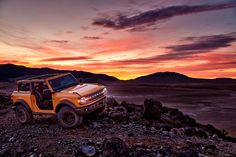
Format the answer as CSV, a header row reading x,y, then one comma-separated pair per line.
x,y
68,118
23,115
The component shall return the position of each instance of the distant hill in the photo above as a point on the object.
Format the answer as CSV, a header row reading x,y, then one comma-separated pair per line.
x,y
164,77
11,71
173,77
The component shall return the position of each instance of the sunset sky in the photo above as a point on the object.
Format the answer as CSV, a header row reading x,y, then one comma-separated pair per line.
x,y
122,38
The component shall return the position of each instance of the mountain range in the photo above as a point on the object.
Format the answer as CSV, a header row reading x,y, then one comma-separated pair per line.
x,y
11,71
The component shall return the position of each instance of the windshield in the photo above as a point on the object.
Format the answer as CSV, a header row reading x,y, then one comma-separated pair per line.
x,y
63,82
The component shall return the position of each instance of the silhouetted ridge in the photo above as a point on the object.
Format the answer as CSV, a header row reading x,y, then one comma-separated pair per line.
x,y
9,71
164,77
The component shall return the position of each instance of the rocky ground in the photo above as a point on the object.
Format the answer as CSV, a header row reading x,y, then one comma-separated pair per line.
x,y
150,130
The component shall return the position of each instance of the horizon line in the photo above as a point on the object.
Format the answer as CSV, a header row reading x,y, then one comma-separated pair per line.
x,y
119,78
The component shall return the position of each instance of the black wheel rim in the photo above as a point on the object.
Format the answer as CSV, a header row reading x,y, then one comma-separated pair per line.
x,y
21,115
68,118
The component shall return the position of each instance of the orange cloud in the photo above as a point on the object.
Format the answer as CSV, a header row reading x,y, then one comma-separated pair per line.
x,y
13,62
127,43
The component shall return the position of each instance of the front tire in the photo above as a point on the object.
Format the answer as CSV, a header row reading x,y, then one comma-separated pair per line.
x,y
68,118
23,115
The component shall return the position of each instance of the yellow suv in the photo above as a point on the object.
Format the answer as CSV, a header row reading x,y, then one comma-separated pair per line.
x,y
59,94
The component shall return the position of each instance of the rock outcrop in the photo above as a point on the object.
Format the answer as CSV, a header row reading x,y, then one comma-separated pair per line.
x,y
124,130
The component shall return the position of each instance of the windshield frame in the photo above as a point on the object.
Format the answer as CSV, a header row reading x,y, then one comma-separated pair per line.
x,y
59,76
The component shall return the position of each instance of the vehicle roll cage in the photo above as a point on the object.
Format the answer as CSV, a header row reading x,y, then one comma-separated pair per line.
x,y
42,78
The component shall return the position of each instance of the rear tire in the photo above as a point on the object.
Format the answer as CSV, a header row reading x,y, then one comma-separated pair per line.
x,y
68,118
23,115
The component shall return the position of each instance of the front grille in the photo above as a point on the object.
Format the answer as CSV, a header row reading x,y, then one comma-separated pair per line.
x,y
95,96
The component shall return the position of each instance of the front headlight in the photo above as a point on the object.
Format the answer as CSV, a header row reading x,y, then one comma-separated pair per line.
x,y
83,100
104,91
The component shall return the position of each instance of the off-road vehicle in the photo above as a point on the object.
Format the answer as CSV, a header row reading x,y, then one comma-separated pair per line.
x,y
59,94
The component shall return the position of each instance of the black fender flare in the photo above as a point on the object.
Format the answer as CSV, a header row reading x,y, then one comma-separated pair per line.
x,y
22,102
64,103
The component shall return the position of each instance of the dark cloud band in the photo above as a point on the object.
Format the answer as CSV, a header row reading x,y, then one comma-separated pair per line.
x,y
152,16
92,37
57,41
197,45
66,59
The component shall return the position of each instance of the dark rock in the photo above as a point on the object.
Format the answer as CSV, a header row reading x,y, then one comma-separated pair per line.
x,y
190,131
5,152
210,147
111,102
212,130
177,131
119,113
33,155
20,150
165,127
152,109
114,147
165,110
132,107
11,139
129,107
130,134
166,151
88,150
201,133
189,121
189,153
167,120
231,139
176,117
97,125
142,152
174,112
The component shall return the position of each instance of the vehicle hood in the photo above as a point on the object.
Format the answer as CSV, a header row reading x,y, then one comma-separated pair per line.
x,y
84,89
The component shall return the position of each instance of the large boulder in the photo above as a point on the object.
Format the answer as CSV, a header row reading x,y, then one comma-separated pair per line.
x,y
118,114
152,109
111,102
114,147
88,150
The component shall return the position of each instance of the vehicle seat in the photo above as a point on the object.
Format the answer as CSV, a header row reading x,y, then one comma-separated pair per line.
x,y
38,96
47,94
